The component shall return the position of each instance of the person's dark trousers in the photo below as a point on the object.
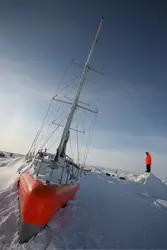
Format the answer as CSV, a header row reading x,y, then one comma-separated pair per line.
x,y
148,168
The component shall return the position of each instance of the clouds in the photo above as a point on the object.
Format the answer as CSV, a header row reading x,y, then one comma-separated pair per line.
x,y
133,108
127,159
15,126
126,151
122,139
22,106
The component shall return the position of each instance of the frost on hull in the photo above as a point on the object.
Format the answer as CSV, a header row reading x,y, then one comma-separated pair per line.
x,y
39,202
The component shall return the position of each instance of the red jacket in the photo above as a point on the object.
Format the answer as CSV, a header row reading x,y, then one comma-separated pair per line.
x,y
148,159
42,154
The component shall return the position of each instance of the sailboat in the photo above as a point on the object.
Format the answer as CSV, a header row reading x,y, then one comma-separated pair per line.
x,y
40,199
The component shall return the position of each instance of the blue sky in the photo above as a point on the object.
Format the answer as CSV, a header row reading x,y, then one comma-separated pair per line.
x,y
39,39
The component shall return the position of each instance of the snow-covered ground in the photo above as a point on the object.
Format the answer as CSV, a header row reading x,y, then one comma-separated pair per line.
x,y
107,212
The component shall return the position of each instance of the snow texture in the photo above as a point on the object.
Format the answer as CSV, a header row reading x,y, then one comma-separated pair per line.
x,y
107,212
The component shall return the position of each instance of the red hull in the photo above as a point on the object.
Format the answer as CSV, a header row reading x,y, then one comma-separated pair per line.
x,y
40,202
2,155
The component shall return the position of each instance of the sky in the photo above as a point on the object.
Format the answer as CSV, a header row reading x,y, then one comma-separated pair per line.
x,y
38,39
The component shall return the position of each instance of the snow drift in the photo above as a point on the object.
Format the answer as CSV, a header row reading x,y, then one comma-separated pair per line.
x,y
107,213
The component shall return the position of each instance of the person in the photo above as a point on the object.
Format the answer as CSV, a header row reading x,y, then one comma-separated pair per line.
x,y
148,162
40,154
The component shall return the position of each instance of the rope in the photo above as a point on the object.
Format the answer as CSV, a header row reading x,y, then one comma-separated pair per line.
x,y
47,112
88,145
52,133
39,131
77,137
56,138
65,73
87,149
71,147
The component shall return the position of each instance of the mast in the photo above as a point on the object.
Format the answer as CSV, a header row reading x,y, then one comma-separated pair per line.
x,y
66,130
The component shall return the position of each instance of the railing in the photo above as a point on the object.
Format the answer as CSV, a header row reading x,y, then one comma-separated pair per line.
x,y
72,170
69,174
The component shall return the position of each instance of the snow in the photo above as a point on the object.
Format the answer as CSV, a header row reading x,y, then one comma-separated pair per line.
x,y
162,204
107,212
